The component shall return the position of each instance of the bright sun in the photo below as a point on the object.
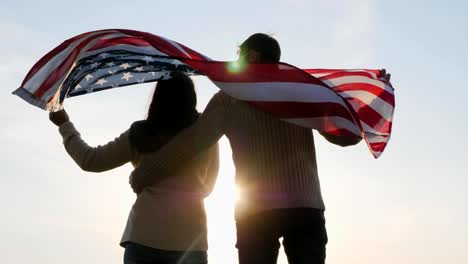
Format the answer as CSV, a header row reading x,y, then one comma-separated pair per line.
x,y
220,211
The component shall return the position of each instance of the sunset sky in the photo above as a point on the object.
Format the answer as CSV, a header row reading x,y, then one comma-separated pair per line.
x,y
408,206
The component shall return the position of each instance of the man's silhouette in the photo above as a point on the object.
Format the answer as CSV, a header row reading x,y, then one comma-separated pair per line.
x,y
276,170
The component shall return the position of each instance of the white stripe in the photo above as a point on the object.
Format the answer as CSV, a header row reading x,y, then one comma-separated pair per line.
x,y
114,35
370,99
206,58
358,79
37,79
280,92
320,123
320,75
371,138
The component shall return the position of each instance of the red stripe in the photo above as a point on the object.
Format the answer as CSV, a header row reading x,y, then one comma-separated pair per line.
x,y
340,132
105,43
379,146
330,71
195,55
321,71
375,90
58,73
43,61
166,47
281,72
302,109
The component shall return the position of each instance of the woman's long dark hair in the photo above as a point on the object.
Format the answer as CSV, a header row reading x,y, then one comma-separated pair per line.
x,y
172,108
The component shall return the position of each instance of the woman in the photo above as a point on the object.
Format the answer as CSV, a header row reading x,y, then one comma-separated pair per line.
x,y
167,223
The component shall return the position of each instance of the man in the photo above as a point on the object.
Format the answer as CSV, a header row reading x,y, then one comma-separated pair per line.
x,y
276,170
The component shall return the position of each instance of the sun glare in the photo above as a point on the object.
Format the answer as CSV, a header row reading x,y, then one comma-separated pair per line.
x,y
237,195
220,211
235,66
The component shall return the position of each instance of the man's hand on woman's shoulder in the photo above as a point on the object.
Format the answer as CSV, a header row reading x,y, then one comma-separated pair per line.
x,y
133,183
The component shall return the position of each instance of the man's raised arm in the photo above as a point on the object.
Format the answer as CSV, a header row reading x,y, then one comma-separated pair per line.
x,y
205,132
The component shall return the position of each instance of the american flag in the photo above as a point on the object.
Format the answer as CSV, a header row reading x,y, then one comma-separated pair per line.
x,y
341,102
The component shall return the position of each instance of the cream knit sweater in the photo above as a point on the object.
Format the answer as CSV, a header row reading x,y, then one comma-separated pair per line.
x,y
169,216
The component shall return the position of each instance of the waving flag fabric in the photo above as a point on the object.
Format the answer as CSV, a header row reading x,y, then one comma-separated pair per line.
x,y
340,102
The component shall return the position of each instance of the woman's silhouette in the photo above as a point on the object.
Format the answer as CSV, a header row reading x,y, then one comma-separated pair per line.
x,y
167,223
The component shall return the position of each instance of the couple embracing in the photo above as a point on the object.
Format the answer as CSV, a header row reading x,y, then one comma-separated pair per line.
x,y
175,156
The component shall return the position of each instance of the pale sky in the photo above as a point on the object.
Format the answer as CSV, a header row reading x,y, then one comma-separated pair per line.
x,y
409,206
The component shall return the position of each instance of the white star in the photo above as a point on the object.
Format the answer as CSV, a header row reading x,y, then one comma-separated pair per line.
x,y
101,81
166,76
126,76
110,64
148,59
78,86
190,72
89,76
152,73
111,72
103,55
94,65
125,66
141,80
176,63
139,69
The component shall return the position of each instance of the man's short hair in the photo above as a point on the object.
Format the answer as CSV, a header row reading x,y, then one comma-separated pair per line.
x,y
266,46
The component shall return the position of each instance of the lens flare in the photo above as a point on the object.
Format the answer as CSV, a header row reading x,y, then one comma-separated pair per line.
x,y
236,66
